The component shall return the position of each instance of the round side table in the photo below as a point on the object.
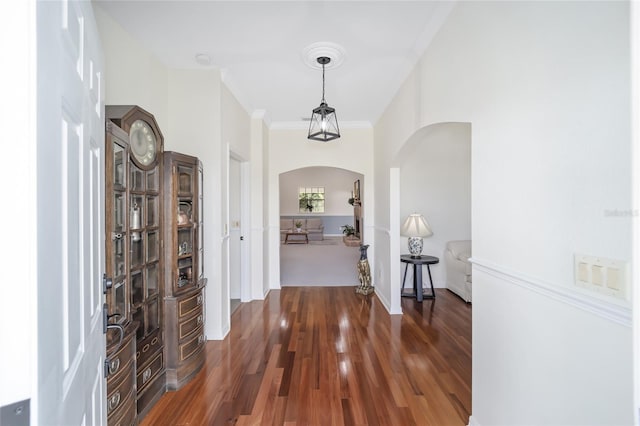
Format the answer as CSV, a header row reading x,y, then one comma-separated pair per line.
x,y
417,263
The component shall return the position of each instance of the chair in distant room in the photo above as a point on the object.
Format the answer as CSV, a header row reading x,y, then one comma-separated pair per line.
x,y
458,268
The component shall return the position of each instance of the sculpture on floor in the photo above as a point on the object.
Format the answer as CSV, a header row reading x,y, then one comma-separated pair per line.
x,y
364,272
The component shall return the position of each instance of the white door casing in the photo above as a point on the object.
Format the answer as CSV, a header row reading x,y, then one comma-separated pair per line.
x,y
71,389
235,232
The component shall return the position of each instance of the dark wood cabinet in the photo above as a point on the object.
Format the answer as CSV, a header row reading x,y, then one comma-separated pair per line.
x,y
184,280
137,220
154,255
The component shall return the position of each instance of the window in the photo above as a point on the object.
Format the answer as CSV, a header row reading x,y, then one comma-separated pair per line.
x,y
311,200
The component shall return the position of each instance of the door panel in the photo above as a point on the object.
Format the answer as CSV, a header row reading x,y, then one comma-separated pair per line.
x,y
70,140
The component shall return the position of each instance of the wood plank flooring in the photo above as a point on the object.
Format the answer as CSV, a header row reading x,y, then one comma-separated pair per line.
x,y
327,356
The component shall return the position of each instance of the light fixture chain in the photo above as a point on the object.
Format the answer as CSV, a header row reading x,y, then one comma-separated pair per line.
x,y
323,101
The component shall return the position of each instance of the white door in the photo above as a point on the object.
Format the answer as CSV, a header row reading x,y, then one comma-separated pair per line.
x,y
71,389
235,234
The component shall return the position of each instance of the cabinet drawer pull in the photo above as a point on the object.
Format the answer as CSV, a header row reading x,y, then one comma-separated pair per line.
x,y
199,320
146,375
200,339
137,355
199,300
154,341
114,401
145,348
114,365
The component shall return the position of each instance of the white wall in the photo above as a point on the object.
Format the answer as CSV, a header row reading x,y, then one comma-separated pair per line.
x,y
236,125
635,136
337,183
258,189
133,76
188,107
435,180
545,87
289,149
195,129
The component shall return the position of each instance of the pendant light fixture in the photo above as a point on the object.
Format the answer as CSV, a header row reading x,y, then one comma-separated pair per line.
x,y
324,123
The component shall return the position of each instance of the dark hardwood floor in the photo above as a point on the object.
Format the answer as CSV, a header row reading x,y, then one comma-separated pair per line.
x,y
327,356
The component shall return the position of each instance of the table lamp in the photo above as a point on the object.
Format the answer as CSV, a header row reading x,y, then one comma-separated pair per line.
x,y
415,227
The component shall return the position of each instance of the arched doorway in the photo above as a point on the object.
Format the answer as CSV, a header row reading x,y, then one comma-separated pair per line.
x,y
320,258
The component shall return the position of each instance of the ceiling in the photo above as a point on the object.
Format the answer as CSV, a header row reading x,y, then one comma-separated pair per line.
x,y
260,48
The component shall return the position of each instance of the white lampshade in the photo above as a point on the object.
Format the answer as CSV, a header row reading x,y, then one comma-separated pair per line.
x,y
416,226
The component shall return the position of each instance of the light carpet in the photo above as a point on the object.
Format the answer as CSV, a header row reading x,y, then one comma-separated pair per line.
x,y
327,263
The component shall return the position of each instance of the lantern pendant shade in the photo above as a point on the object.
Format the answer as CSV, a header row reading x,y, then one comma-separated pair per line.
x,y
324,122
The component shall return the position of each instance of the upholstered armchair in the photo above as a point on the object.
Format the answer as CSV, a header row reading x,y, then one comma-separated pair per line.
x,y
286,225
458,268
315,228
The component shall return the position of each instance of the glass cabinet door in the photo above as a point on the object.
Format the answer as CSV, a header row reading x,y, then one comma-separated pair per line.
x,y
137,178
185,257
144,227
116,228
119,167
153,214
184,236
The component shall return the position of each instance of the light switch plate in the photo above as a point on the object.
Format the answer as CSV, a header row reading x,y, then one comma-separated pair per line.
x,y
605,276
16,414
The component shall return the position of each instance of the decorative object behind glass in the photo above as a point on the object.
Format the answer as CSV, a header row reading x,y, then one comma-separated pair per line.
x,y
135,217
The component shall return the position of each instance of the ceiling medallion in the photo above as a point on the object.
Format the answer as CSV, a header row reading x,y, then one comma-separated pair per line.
x,y
326,49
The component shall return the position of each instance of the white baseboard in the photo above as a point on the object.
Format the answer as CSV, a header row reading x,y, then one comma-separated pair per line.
x,y
383,300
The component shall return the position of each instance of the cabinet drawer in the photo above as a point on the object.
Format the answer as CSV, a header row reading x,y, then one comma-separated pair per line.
x,y
123,374
192,345
148,347
189,304
120,360
189,326
147,374
127,416
120,394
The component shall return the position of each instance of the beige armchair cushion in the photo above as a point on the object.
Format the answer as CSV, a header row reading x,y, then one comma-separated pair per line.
x,y
314,224
286,225
458,268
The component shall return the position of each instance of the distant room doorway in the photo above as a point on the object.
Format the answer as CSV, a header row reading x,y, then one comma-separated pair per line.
x,y
312,248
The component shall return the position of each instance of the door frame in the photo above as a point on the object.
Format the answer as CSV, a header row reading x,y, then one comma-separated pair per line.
x,y
245,225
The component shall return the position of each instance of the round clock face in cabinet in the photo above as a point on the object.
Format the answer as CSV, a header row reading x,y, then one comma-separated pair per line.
x,y
143,142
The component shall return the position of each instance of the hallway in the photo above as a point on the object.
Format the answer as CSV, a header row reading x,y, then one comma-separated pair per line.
x,y
325,356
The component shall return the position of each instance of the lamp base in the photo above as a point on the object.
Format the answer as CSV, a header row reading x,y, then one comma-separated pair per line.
x,y
415,247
